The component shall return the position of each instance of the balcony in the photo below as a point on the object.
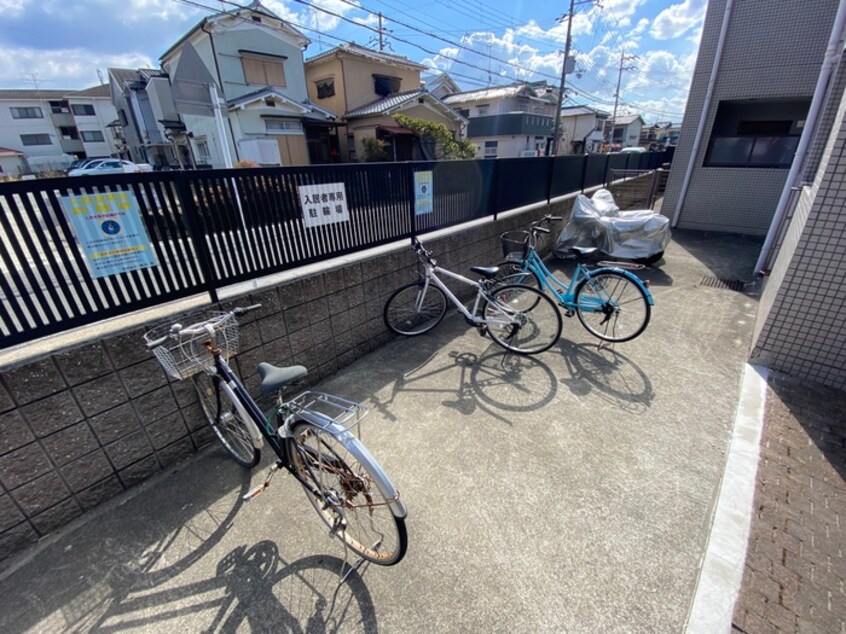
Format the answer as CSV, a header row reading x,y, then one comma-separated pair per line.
x,y
511,123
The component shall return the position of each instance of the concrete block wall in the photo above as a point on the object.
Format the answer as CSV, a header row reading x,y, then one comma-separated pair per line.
x,y
84,424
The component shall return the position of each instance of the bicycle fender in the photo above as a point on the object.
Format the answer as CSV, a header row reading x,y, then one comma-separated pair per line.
x,y
255,434
362,454
634,278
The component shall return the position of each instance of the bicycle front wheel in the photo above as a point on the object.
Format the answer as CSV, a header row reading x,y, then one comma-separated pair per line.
x,y
414,309
342,489
225,421
612,307
522,319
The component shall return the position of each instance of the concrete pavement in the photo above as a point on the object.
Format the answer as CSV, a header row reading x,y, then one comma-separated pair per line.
x,y
567,492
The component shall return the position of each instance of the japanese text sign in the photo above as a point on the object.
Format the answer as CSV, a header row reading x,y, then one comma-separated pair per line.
x,y
323,204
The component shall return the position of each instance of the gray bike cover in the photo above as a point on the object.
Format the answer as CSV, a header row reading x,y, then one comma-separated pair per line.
x,y
598,222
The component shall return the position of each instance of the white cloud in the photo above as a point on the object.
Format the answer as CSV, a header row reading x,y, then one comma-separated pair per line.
x,y
68,68
640,28
12,8
677,19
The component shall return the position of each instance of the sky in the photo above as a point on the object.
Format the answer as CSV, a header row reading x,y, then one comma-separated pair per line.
x,y
61,44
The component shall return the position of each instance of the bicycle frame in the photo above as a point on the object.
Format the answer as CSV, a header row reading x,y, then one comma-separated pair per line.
x,y
431,275
565,293
249,410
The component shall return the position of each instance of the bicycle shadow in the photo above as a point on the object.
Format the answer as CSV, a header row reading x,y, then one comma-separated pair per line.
x,y
608,374
495,381
256,588
154,537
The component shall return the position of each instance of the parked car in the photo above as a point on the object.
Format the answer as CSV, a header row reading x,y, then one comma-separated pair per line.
x,y
633,150
87,162
110,166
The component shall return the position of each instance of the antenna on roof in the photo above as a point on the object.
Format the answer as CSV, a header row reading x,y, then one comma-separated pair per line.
x,y
100,76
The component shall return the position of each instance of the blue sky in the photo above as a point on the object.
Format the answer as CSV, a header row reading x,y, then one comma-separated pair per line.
x,y
62,43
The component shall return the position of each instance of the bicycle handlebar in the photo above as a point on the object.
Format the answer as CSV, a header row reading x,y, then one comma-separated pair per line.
x,y
206,326
422,252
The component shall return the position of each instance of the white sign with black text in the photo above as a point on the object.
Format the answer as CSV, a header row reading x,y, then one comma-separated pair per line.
x,y
323,204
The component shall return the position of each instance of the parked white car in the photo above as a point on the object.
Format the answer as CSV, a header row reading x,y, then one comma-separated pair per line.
x,y
110,166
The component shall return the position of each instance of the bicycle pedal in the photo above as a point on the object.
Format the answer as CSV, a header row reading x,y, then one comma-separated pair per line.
x,y
483,330
254,492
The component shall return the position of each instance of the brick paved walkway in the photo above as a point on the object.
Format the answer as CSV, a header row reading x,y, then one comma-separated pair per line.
x,y
795,570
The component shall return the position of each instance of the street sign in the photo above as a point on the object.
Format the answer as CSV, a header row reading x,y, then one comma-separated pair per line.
x,y
323,204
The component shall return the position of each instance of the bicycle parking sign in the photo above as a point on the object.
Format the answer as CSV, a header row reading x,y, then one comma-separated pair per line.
x,y
110,231
323,204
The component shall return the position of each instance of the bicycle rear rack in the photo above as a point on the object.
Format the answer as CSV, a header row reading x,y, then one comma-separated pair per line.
x,y
329,412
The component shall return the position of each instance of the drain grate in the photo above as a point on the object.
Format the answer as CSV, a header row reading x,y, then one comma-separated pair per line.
x,y
715,282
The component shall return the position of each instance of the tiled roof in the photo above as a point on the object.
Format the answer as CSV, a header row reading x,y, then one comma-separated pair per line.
x,y
574,111
125,76
354,49
95,91
29,93
489,94
269,91
626,119
385,103
4,151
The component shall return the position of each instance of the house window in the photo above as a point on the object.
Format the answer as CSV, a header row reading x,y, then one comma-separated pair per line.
x,y
264,71
464,112
27,113
59,107
481,111
69,132
385,85
490,149
325,88
760,133
351,147
35,139
279,126
93,136
83,109
203,151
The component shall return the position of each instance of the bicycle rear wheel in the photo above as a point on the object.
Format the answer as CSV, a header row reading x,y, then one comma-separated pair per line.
x,y
522,319
225,421
511,272
612,307
414,309
349,501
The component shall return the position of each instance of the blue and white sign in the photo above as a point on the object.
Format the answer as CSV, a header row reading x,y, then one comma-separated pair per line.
x,y
423,195
111,232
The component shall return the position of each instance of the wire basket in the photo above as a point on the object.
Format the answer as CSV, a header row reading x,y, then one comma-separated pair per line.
x,y
182,356
515,244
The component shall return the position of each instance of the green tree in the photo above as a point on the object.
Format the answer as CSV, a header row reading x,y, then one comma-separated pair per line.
x,y
375,150
440,136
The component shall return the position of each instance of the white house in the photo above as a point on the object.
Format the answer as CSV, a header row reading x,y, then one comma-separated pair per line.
x,y
626,130
582,129
508,121
51,128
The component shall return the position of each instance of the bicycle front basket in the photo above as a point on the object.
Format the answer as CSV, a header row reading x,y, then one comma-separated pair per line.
x,y
515,244
182,356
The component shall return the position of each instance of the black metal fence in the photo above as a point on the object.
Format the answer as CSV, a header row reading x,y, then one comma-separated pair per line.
x,y
208,229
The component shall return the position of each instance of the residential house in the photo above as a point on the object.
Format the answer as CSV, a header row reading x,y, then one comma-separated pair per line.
x,y
624,131
50,128
255,59
11,162
441,85
147,118
767,159
659,135
508,121
582,129
367,88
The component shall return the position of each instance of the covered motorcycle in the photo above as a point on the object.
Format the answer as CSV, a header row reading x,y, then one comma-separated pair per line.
x,y
640,235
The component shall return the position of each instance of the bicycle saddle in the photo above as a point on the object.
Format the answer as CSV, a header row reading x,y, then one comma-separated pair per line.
x,y
486,271
273,377
583,252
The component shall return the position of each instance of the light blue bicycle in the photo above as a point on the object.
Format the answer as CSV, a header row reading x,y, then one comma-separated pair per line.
x,y
611,302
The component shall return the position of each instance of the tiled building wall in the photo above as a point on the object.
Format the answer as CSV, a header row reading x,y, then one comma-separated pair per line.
x,y
743,200
83,425
801,325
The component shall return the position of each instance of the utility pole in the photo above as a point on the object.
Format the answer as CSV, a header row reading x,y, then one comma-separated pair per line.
x,y
623,59
381,41
553,148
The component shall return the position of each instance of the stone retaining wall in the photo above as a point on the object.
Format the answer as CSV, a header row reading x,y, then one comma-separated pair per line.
x,y
85,424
